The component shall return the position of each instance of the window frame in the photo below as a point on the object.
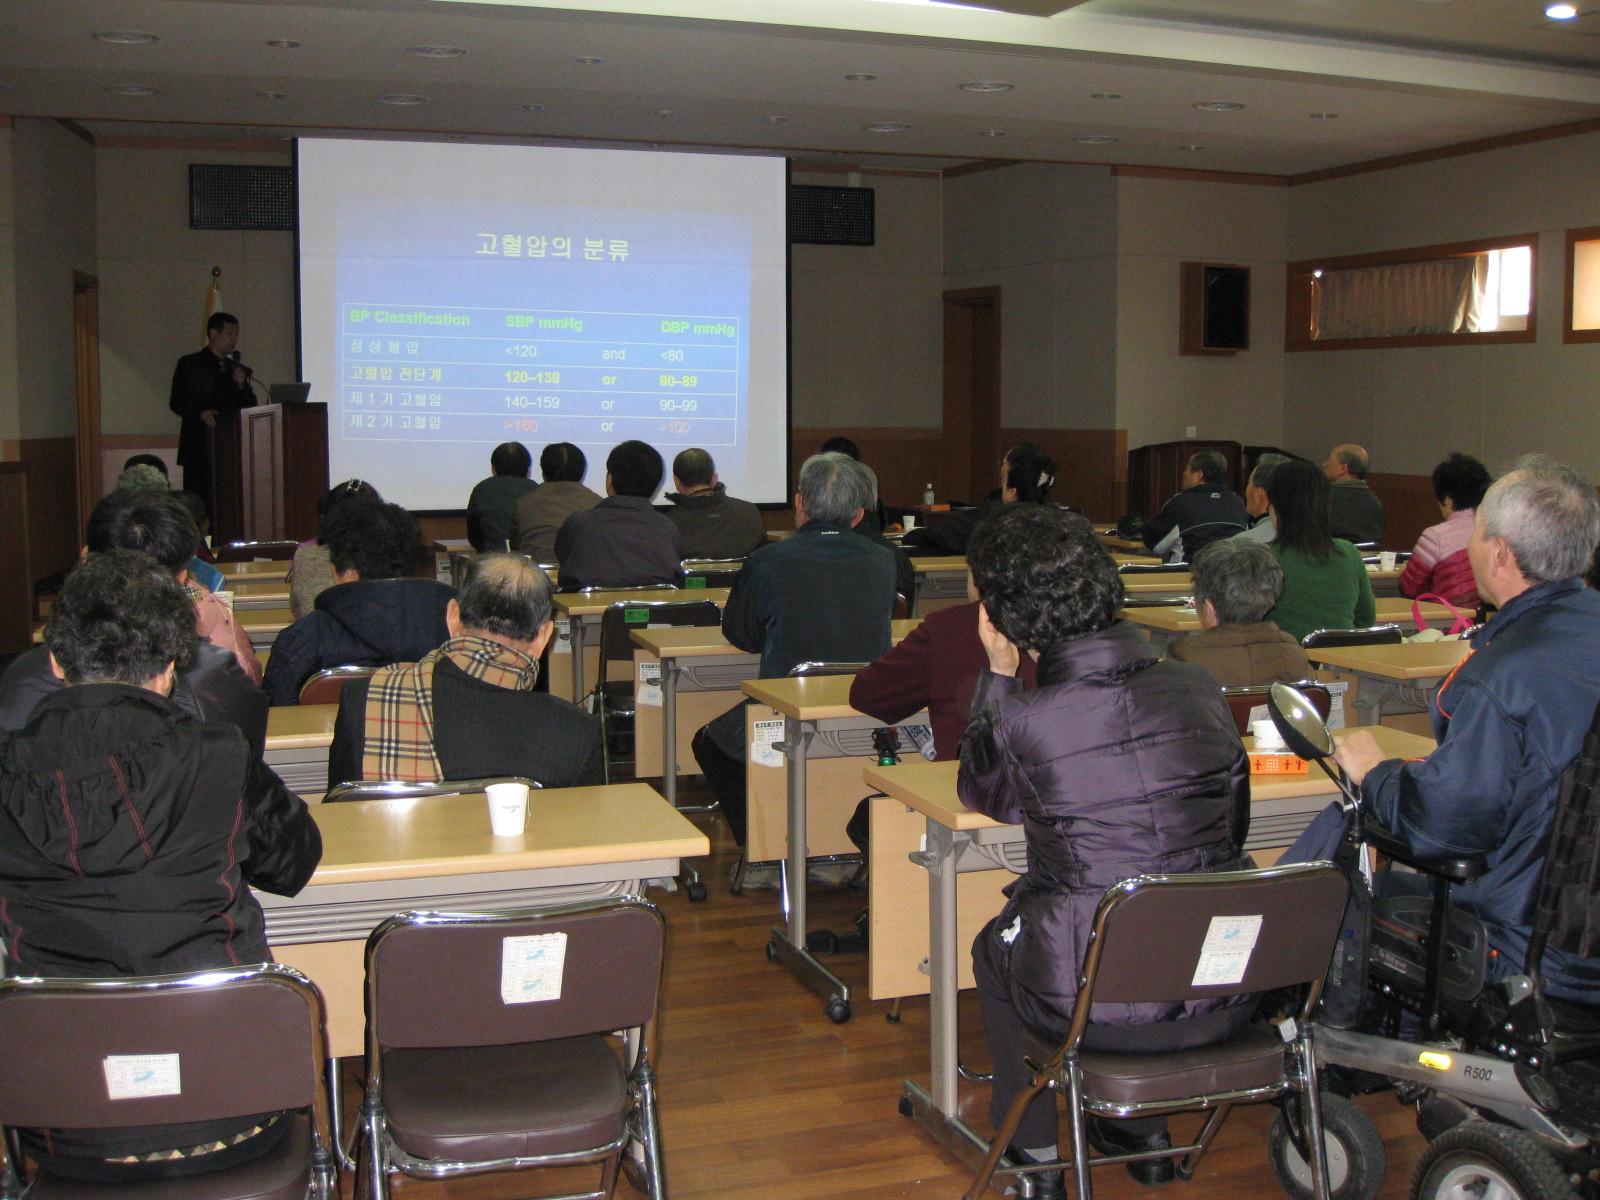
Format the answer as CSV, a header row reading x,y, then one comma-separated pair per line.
x,y
1568,333
1297,300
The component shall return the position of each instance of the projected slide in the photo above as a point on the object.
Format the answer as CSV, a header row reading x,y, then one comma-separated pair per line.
x,y
455,297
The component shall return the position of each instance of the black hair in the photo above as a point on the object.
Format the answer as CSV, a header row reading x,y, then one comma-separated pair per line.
x,y
148,460
1042,575
1030,471
157,523
506,595
374,539
511,458
693,467
218,319
1461,478
562,462
635,468
350,489
1210,465
841,445
196,508
120,618
1299,493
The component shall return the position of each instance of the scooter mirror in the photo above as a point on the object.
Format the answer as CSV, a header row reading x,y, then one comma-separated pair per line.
x,y
1299,722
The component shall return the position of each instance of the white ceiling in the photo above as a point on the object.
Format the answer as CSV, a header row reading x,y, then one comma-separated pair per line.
x,y
1401,75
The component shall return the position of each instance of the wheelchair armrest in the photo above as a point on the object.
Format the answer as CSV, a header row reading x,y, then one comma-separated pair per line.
x,y
1456,868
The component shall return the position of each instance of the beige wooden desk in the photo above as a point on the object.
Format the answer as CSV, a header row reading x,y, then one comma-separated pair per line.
x,y
250,594
261,570
298,739
941,581
956,909
570,659
1162,624
1109,539
380,857
1409,673
263,625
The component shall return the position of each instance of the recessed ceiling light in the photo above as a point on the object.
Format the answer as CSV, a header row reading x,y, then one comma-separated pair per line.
x,y
590,60
886,127
533,106
1218,106
1561,12
402,99
991,133
987,86
774,119
1192,146
283,43
1105,95
437,51
126,37
271,95
131,89
861,77
1095,139
663,112
1324,116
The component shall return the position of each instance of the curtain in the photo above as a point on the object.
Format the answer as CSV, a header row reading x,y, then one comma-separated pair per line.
x,y
1437,296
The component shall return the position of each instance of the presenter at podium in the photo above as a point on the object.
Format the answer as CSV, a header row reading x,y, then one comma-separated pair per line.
x,y
204,384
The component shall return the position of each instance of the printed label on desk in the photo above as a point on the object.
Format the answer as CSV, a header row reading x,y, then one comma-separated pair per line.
x,y
531,967
563,640
1225,953
764,739
647,688
1336,711
133,1076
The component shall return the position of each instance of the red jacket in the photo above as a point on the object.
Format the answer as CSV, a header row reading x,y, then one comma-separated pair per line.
x,y
934,667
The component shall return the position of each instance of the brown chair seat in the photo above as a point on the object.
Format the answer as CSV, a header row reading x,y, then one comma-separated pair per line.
x,y
491,1102
1253,1059
279,1174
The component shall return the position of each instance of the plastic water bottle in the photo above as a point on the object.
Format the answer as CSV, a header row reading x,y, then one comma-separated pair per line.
x,y
927,494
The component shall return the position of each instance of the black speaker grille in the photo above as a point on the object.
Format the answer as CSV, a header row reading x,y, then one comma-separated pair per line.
x,y
227,196
831,216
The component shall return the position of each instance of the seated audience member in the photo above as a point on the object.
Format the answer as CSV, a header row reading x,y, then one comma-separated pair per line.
x,y
1439,564
1354,511
876,519
1510,720
821,594
492,506
1325,584
311,571
1116,764
1236,583
1027,474
934,667
711,523
622,541
1204,512
149,460
540,514
376,613
1255,498
128,834
468,709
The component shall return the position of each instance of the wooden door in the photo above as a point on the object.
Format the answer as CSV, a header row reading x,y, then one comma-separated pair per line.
x,y
971,393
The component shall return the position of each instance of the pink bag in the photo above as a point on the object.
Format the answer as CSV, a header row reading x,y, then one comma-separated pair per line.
x,y
1460,621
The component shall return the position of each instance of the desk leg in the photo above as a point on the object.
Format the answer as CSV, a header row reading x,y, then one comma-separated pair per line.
x,y
1371,694
688,876
788,945
575,635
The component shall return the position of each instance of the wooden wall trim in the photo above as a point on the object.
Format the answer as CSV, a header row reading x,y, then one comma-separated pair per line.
x,y
1188,175
137,441
76,130
5,121
1459,149
1570,286
247,145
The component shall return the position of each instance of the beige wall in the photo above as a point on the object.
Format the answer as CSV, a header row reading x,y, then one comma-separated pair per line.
x,y
1412,406
154,271
10,419
865,322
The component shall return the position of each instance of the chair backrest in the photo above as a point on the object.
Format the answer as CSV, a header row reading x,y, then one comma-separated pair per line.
x,y
1174,938
709,572
494,979
1372,635
1161,568
1242,701
222,1043
802,670
623,617
1372,560
249,551
1155,600
400,789
902,607
1470,632
327,685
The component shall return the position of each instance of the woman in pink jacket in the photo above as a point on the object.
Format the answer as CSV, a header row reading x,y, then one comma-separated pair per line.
x,y
1438,564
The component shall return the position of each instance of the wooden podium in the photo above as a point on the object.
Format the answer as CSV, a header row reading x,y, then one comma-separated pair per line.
x,y
271,468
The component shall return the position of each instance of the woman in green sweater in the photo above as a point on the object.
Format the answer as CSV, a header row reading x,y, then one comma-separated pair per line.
x,y
1325,583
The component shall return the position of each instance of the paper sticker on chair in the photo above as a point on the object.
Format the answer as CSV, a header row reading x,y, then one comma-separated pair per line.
x,y
1225,954
563,638
765,738
531,967
133,1076
647,689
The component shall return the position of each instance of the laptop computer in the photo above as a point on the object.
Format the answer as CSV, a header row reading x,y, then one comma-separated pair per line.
x,y
288,393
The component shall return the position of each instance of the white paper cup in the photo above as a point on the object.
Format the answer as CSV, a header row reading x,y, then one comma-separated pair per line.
x,y
1267,735
908,522
1386,560
226,597
508,808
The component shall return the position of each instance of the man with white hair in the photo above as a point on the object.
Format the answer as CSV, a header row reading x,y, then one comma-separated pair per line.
x,y
1512,717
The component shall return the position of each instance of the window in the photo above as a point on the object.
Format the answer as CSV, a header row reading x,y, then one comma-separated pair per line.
x,y
1458,294
1583,286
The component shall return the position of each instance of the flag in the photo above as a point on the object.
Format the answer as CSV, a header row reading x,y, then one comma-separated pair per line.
x,y
213,299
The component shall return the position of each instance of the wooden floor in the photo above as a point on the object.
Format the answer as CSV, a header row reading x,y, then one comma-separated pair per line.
x,y
763,1097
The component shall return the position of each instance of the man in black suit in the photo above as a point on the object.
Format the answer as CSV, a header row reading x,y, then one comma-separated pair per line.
x,y
204,385
474,695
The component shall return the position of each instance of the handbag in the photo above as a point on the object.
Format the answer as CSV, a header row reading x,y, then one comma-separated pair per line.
x,y
1460,621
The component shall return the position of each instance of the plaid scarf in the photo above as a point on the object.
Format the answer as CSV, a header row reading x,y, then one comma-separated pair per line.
x,y
399,719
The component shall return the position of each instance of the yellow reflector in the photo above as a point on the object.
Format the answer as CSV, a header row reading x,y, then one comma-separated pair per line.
x,y
1432,1058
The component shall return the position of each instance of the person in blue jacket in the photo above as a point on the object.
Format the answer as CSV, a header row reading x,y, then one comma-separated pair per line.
x,y
1512,716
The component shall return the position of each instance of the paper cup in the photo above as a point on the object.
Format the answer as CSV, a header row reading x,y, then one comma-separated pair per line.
x,y
908,522
1267,735
1386,560
226,597
508,808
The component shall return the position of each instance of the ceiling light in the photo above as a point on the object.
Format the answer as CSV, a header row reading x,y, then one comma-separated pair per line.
x,y
991,133
1561,12
1105,95
987,86
886,127
1095,139
131,89
283,44
663,112
1192,146
533,106
271,95
1218,106
589,60
126,37
861,77
437,51
402,99
774,119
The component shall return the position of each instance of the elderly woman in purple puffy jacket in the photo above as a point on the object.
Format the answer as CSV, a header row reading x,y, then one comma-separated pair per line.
x,y
1116,764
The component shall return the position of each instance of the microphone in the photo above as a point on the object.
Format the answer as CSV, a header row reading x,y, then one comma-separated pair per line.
x,y
234,359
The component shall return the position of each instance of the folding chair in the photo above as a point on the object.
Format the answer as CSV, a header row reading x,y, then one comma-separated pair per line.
x,y
1174,938
229,1042
709,572
1160,568
250,551
1372,635
489,1043
400,789
1242,701
327,685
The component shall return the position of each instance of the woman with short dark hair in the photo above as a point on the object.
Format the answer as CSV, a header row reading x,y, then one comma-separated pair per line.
x,y
1236,582
1116,764
1439,563
1325,584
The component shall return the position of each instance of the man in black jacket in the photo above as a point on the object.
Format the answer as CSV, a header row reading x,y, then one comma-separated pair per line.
x,y
712,523
622,541
206,384
1204,512
821,594
475,694
128,834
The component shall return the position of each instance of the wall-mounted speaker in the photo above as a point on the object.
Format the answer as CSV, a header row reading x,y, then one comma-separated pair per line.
x,y
831,216
1213,309
230,196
